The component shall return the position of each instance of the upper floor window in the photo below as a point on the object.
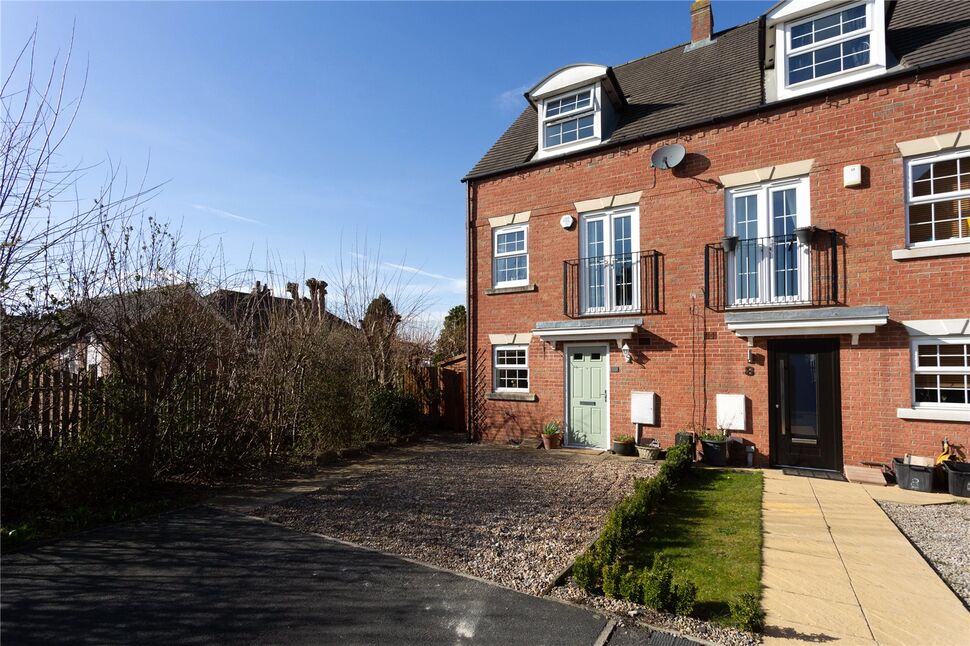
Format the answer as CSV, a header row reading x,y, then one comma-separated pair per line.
x,y
511,256
569,118
938,199
577,107
767,263
828,48
609,266
828,45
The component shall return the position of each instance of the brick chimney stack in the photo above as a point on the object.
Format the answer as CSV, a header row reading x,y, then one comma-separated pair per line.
x,y
318,297
701,23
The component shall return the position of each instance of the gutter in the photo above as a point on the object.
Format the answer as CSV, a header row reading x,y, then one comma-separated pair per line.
x,y
725,117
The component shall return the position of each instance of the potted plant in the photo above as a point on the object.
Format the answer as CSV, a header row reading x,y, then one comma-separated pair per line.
x,y
552,434
648,448
624,445
714,446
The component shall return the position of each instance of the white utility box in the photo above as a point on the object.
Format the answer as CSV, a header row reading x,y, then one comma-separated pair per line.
x,y
852,175
731,412
643,407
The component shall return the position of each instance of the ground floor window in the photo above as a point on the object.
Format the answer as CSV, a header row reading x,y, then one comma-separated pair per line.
x,y
941,372
511,368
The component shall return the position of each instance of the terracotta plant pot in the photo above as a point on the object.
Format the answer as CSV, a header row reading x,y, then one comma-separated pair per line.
x,y
551,441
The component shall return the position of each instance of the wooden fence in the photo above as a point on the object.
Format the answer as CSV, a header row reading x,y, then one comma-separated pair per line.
x,y
56,404
61,405
441,392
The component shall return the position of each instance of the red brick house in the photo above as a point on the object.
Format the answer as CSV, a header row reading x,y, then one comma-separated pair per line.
x,y
795,269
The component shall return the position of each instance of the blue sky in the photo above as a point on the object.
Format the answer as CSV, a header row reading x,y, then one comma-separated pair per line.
x,y
285,127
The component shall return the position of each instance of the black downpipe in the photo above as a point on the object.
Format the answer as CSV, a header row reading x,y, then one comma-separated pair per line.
x,y
471,326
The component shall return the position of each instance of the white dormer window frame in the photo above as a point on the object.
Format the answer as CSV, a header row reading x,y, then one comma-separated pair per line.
x,y
582,119
830,46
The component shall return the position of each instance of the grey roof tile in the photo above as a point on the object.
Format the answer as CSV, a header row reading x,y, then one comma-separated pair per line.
x,y
675,88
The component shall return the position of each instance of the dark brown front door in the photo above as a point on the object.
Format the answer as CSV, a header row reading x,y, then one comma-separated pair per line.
x,y
804,403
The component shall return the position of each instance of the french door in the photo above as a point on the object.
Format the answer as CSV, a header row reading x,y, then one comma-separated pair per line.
x,y
610,261
767,264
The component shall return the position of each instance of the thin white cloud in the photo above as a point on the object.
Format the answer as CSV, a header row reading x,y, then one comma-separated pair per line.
x,y
456,285
511,100
224,214
415,270
449,283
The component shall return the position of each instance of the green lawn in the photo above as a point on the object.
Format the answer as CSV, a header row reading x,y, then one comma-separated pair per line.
x,y
710,528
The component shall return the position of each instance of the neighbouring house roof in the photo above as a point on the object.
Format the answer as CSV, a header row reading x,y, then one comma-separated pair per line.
x,y
102,314
676,88
251,308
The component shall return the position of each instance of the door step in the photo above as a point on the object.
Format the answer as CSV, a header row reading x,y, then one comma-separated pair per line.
x,y
814,473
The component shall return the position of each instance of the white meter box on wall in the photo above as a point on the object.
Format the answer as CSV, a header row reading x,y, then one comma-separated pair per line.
x,y
643,407
732,412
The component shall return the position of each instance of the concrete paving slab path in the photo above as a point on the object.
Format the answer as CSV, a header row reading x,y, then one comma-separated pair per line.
x,y
837,570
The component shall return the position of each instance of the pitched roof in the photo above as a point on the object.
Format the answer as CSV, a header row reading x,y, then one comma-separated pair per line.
x,y
249,308
923,32
679,88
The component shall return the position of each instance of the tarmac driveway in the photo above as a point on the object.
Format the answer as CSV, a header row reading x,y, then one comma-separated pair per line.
x,y
202,576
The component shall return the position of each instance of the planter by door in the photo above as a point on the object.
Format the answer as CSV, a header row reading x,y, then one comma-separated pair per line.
x,y
625,448
715,453
552,441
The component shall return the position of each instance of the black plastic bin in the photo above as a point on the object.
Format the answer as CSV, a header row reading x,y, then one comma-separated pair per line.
x,y
913,476
958,478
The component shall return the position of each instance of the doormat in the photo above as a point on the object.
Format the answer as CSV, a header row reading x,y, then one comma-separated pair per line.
x,y
815,473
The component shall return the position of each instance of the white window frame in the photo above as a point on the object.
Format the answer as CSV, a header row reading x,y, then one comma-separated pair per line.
x,y
803,218
609,216
594,109
930,199
935,370
496,367
875,29
496,255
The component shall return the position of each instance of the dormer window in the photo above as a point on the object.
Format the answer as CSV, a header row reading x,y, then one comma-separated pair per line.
x,y
577,108
836,43
828,44
569,118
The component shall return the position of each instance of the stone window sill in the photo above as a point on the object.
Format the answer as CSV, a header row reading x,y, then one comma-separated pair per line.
x,y
519,289
956,249
935,414
512,397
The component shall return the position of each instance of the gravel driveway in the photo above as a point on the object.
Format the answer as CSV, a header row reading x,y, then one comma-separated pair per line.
x,y
942,534
516,516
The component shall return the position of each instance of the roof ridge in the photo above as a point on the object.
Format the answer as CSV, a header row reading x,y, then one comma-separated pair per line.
x,y
684,44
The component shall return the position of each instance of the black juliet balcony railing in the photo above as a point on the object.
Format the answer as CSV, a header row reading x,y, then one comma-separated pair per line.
x,y
630,283
803,268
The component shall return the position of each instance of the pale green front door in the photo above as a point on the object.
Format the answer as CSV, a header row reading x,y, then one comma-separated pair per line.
x,y
587,370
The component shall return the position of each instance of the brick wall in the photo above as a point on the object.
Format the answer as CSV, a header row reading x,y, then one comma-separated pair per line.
x,y
681,211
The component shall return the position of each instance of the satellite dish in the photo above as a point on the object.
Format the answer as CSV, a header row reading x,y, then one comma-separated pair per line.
x,y
666,157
